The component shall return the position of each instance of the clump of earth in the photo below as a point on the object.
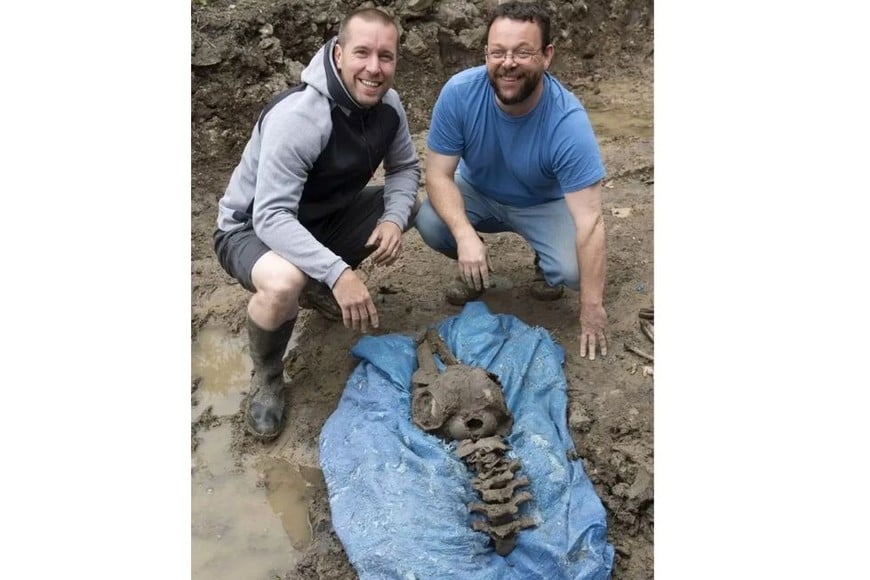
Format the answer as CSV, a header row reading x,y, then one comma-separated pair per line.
x,y
244,52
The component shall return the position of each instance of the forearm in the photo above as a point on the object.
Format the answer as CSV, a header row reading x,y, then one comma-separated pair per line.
x,y
592,261
446,198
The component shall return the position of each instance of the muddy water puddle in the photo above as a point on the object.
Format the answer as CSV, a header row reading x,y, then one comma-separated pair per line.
x,y
248,520
224,368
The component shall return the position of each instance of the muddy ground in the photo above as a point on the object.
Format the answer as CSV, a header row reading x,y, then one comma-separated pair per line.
x,y
242,53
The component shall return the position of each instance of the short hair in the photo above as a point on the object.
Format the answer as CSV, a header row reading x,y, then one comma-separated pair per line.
x,y
524,12
367,14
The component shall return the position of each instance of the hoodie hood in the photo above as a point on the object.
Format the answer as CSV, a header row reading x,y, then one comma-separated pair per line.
x,y
323,76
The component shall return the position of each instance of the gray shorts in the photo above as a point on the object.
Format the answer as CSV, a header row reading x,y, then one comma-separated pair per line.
x,y
344,232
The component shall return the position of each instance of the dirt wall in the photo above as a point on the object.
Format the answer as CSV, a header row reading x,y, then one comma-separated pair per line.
x,y
243,52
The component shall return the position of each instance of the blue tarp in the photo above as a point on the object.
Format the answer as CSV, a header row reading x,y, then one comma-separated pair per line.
x,y
398,495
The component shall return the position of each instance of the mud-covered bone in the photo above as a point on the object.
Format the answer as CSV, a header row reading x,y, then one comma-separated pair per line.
x,y
467,404
440,348
503,530
463,402
504,546
503,494
486,445
504,537
426,372
498,510
497,477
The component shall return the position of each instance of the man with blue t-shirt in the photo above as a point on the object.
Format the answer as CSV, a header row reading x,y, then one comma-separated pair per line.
x,y
528,163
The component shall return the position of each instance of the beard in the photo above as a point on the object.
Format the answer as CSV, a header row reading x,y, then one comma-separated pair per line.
x,y
528,82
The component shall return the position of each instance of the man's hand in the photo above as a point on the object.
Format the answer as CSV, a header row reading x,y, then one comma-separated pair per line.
x,y
593,324
474,262
357,309
387,236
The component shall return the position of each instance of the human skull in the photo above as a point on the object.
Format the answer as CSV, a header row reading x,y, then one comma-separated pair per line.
x,y
462,403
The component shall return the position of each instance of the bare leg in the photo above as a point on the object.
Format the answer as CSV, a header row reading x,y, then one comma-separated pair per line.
x,y
279,284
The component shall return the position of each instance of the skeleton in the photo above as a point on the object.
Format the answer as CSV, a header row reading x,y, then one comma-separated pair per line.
x,y
466,404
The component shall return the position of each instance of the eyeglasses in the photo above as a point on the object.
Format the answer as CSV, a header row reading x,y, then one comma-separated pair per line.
x,y
521,56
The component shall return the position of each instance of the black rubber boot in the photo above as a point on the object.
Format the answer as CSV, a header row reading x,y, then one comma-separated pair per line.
x,y
264,414
317,296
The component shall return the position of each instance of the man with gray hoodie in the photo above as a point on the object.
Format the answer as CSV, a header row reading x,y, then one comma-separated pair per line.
x,y
298,213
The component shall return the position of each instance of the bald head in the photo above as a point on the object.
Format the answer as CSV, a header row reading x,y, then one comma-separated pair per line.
x,y
370,15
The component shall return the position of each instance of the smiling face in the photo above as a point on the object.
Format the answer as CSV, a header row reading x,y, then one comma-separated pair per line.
x,y
366,60
518,85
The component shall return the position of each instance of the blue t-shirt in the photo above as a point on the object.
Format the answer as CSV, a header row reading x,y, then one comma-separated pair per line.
x,y
519,161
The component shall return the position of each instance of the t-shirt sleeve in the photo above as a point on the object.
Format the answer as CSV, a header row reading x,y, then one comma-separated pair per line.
x,y
445,130
576,158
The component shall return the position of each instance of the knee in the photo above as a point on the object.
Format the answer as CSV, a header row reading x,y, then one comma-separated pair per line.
x,y
571,277
426,220
415,211
562,272
280,289
432,229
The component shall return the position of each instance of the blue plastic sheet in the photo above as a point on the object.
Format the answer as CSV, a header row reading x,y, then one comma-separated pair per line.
x,y
398,495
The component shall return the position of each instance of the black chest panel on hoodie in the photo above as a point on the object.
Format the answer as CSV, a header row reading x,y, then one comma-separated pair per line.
x,y
356,148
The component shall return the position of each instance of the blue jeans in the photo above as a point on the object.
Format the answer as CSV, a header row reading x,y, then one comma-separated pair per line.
x,y
548,228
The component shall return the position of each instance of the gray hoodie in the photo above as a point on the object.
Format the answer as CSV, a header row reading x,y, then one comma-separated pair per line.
x,y
313,149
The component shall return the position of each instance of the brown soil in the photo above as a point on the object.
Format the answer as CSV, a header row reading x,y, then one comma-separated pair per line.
x,y
606,58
